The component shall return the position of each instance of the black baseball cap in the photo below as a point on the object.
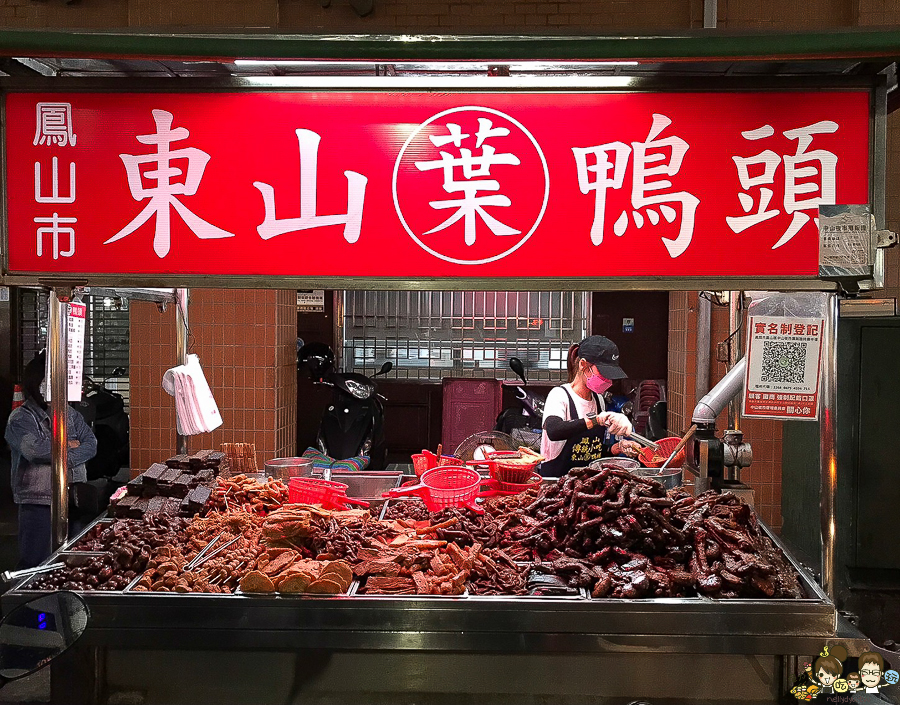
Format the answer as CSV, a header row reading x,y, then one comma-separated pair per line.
x,y
603,354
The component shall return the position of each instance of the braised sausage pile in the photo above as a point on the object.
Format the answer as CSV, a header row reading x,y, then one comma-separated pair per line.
x,y
620,535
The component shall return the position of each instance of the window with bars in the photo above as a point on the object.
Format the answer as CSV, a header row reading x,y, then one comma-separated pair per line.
x,y
106,336
436,334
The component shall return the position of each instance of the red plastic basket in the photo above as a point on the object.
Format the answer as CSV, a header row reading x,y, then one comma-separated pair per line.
x,y
514,473
423,462
311,490
655,458
445,486
499,489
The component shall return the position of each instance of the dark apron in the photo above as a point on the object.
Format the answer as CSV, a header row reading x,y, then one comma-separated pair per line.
x,y
580,449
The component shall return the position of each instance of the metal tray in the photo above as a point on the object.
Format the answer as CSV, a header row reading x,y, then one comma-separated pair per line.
x,y
72,559
582,595
140,593
357,584
102,519
293,595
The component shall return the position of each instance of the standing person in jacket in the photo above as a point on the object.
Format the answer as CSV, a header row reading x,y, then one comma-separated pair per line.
x,y
29,435
577,427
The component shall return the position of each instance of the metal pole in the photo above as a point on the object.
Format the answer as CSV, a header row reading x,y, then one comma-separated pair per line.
x,y
827,451
181,350
704,334
734,354
59,449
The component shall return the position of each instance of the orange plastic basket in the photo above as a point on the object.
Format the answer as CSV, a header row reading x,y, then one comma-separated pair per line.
x,y
655,458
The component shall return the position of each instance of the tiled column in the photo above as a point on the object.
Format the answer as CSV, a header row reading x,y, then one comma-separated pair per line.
x,y
764,475
246,342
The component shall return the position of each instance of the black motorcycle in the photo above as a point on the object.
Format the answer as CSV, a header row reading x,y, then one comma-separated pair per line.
x,y
104,411
353,424
523,423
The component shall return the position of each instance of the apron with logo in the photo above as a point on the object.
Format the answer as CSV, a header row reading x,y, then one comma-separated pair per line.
x,y
580,449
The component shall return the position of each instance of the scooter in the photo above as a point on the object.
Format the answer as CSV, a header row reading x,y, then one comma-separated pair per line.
x,y
354,422
38,631
523,424
104,411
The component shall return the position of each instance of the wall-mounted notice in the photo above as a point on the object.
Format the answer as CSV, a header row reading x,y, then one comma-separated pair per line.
x,y
783,362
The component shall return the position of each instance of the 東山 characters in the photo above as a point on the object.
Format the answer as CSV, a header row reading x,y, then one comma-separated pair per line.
x,y
871,669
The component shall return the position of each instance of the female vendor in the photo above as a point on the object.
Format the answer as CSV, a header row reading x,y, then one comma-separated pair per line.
x,y
577,428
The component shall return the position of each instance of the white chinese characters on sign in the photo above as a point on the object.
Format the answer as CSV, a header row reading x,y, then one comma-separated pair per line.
x,y
271,226
472,166
54,196
649,188
163,196
478,153
801,191
55,230
54,125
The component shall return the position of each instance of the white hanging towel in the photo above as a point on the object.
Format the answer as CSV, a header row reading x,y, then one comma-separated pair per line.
x,y
195,408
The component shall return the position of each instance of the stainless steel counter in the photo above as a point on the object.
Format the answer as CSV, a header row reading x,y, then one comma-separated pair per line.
x,y
513,630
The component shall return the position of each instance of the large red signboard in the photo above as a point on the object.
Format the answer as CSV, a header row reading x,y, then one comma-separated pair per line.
x,y
430,185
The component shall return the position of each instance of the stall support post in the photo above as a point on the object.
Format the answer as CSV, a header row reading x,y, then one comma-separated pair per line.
x,y
59,450
704,334
181,350
735,320
827,451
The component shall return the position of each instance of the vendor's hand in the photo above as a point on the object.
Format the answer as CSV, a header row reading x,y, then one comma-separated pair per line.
x,y
74,443
616,424
629,448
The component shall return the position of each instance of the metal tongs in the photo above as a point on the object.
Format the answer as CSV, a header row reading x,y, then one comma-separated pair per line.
x,y
643,441
206,549
207,554
215,553
9,576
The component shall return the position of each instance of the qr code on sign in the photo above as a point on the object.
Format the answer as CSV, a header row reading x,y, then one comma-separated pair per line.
x,y
784,361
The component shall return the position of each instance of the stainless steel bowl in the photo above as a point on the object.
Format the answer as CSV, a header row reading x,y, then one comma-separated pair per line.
x,y
621,463
670,478
285,468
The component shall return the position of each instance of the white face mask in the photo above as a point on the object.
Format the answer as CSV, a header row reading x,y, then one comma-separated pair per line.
x,y
43,389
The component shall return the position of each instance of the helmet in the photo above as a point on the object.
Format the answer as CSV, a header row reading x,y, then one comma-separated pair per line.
x,y
319,357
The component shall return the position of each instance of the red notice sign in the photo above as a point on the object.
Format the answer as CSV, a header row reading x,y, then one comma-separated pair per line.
x,y
784,357
430,185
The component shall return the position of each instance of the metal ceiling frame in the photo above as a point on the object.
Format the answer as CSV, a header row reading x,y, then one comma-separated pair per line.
x,y
696,45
